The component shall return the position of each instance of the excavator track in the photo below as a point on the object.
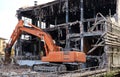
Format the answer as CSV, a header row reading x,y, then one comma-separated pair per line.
x,y
49,67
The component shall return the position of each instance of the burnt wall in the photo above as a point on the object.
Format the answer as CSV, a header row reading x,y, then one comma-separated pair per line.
x,y
54,13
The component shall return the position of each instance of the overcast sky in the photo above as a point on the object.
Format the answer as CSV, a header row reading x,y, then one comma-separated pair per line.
x,y
8,19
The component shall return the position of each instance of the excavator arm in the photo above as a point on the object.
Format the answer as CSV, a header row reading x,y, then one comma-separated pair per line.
x,y
15,35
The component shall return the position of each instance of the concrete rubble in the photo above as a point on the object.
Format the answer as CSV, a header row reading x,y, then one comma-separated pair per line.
x,y
21,71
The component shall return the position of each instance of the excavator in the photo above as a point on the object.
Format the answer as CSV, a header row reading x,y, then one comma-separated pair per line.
x,y
56,59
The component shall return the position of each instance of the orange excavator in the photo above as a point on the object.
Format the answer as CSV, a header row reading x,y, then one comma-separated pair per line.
x,y
58,60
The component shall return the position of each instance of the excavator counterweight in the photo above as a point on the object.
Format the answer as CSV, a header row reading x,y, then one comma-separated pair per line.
x,y
62,56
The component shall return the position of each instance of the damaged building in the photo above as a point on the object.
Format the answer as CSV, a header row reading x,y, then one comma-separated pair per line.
x,y
89,26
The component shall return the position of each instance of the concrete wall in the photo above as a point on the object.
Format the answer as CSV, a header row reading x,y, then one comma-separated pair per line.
x,y
2,45
116,50
116,58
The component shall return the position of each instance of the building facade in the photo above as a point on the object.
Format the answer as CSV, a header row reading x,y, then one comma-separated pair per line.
x,y
89,26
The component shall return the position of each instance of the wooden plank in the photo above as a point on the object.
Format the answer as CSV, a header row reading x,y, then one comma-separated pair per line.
x,y
86,73
111,43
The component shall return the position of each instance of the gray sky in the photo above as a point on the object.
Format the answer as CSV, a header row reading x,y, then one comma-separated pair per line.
x,y
8,19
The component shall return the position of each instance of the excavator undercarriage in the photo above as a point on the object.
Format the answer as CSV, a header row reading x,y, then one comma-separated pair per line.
x,y
56,67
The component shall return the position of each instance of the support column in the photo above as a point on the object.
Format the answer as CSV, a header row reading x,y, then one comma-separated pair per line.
x,y
67,46
81,25
55,20
34,21
40,22
67,13
108,57
118,12
107,52
39,40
